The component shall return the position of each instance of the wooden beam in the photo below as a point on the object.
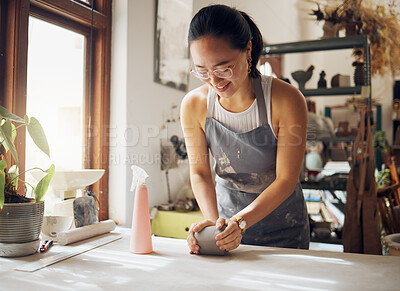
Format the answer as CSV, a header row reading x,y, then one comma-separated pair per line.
x,y
73,10
3,32
58,20
98,139
14,43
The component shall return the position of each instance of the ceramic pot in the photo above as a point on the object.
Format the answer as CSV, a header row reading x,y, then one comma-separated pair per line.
x,y
52,225
330,30
21,222
392,241
358,73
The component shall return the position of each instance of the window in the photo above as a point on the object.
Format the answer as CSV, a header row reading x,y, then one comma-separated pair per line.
x,y
266,69
55,92
271,65
26,82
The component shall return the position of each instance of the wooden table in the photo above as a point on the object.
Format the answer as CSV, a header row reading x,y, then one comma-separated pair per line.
x,y
171,267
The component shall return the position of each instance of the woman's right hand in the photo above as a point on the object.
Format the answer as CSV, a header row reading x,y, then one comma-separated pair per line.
x,y
196,227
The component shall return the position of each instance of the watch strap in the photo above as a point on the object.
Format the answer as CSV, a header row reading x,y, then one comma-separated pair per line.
x,y
239,219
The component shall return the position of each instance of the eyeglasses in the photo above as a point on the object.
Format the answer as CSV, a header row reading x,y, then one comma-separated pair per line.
x,y
203,75
220,73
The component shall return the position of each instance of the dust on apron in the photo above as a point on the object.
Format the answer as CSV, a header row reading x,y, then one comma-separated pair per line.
x,y
361,232
245,165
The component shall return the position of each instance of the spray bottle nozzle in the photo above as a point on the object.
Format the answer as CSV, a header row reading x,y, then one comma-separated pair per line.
x,y
139,177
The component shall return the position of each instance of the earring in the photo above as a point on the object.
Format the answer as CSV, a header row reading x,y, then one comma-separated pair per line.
x,y
249,65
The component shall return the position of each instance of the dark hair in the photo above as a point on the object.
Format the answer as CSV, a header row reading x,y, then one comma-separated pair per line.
x,y
237,27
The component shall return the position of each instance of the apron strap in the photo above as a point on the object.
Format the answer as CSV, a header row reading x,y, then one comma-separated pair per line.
x,y
262,109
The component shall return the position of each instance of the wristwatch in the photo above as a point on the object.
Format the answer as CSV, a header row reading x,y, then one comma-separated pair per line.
x,y
241,222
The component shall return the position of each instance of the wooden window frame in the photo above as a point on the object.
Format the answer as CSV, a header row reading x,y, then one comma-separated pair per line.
x,y
76,16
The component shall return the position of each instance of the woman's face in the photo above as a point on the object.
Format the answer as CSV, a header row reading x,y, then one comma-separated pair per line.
x,y
210,53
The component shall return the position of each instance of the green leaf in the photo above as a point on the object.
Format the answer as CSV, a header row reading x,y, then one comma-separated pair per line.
x,y
37,134
6,130
44,183
7,114
3,165
13,136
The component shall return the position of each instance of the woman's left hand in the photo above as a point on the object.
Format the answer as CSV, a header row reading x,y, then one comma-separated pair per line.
x,y
230,238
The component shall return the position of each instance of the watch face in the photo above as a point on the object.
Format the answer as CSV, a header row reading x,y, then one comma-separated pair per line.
x,y
242,224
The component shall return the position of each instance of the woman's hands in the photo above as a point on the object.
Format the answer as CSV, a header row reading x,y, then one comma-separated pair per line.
x,y
228,240
231,237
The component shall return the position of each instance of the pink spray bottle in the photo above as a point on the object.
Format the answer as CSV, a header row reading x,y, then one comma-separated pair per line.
x,y
141,231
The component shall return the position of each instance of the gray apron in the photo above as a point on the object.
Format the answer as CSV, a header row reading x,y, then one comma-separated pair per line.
x,y
245,165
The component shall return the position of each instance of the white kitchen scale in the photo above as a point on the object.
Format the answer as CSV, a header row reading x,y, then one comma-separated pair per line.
x,y
73,251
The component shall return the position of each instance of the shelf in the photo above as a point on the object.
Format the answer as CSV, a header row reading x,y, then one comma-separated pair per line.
x,y
337,43
336,181
329,240
338,139
350,42
350,138
322,186
332,91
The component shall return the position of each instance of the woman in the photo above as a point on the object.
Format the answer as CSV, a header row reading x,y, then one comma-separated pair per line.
x,y
255,128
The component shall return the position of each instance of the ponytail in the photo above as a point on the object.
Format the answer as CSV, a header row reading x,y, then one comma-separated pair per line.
x,y
256,45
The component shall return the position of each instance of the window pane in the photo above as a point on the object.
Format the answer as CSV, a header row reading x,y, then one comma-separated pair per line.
x,y
55,94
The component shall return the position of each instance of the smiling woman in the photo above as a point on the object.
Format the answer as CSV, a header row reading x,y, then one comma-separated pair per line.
x,y
255,128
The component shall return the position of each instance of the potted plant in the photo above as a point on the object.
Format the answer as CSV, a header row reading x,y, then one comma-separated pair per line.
x,y
331,18
380,23
20,217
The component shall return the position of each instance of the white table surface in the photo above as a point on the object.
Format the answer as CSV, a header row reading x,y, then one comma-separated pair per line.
x,y
170,266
